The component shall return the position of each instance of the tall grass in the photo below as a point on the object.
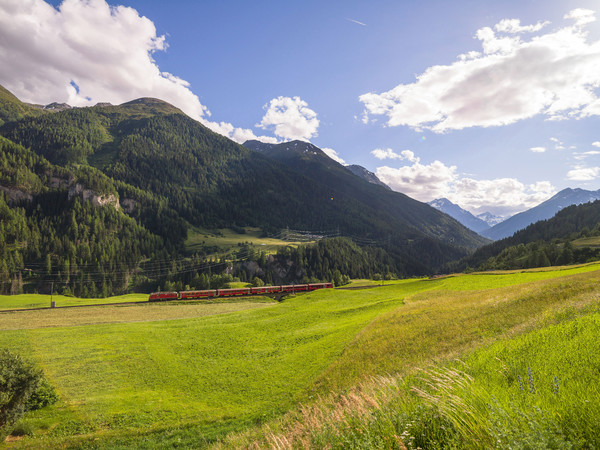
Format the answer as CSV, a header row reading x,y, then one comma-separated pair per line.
x,y
534,387
539,390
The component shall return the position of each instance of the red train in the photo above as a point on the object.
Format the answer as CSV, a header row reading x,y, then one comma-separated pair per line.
x,y
209,293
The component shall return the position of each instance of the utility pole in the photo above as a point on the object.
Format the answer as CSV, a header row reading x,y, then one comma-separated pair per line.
x,y
52,304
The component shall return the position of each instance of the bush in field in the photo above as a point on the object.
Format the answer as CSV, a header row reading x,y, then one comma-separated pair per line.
x,y
22,388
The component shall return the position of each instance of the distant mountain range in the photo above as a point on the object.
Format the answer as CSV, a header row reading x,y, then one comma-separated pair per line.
x,y
543,211
490,218
476,224
570,236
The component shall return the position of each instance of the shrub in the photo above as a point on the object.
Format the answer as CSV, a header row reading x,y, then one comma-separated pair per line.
x,y
22,388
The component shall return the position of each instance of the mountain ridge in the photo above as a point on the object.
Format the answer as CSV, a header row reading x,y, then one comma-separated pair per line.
x,y
177,174
462,215
366,174
543,211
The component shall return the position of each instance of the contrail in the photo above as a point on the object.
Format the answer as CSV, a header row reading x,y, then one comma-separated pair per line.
x,y
356,21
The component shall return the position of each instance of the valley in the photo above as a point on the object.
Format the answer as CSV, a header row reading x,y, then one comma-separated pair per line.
x,y
199,374
299,225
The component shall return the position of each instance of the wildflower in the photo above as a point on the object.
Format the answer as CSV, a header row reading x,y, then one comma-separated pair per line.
x,y
531,381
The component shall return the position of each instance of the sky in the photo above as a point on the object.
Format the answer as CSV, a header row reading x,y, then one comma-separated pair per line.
x,y
494,105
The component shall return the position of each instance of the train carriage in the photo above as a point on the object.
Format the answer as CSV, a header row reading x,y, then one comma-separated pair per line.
x,y
232,292
163,296
265,290
294,288
209,293
186,295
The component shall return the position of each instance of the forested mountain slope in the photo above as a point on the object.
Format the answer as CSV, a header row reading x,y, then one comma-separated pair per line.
x,y
377,201
11,108
544,210
544,243
161,172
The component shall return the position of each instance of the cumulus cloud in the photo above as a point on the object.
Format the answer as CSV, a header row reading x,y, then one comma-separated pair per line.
x,y
596,144
538,149
501,196
334,155
581,173
239,135
420,181
510,79
388,153
514,26
581,16
85,52
290,118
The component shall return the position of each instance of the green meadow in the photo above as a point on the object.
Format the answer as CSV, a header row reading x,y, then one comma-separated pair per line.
x,y
333,368
27,301
225,240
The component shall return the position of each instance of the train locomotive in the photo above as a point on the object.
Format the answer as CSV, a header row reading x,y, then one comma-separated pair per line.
x,y
259,290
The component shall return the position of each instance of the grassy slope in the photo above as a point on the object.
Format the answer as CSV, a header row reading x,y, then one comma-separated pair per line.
x,y
184,381
226,239
593,241
445,322
514,339
233,368
76,317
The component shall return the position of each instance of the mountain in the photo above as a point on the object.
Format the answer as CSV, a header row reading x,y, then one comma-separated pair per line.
x,y
543,211
571,236
367,175
144,173
463,216
490,218
367,200
11,108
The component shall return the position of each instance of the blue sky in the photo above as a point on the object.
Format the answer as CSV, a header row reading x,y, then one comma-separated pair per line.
x,y
305,68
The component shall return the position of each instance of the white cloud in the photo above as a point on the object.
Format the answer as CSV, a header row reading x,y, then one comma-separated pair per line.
x,y
596,144
581,173
514,26
291,118
538,149
239,135
581,16
584,155
501,196
105,50
388,153
510,79
86,52
423,182
333,155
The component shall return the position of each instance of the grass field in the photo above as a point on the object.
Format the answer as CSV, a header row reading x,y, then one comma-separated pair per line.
x,y
226,240
26,301
135,376
593,241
